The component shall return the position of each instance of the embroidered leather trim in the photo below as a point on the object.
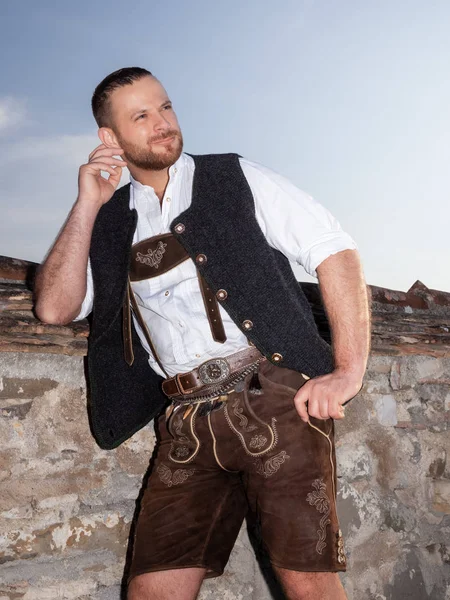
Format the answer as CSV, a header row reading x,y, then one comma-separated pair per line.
x,y
216,456
153,257
182,442
271,465
243,422
319,498
175,478
181,451
257,441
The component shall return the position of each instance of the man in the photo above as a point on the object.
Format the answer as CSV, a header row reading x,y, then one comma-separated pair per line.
x,y
188,272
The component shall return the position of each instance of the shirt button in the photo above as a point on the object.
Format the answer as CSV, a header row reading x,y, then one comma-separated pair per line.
x,y
277,357
221,294
166,293
175,169
179,228
247,324
168,199
201,259
197,355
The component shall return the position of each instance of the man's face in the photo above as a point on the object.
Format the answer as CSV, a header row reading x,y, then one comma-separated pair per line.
x,y
146,125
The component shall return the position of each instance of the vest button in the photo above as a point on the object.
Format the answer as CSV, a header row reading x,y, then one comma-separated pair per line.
x,y
277,357
247,324
179,228
221,294
201,259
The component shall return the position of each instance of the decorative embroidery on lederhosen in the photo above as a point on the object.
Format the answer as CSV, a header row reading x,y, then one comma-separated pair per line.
x,y
320,500
256,436
175,478
185,444
271,465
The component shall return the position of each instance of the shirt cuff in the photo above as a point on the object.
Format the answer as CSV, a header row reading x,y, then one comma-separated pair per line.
x,y
324,247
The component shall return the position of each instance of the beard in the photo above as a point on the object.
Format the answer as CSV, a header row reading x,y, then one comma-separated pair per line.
x,y
145,158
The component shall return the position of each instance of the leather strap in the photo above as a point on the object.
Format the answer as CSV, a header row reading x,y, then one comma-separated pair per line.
x,y
126,329
156,255
212,310
189,383
143,325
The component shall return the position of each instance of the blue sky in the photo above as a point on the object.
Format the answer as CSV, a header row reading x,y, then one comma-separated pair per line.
x,y
350,99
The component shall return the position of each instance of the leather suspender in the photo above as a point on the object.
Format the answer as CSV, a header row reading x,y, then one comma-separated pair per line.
x,y
143,326
150,258
212,311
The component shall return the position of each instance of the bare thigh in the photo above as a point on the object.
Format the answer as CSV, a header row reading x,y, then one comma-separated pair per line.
x,y
182,584
299,585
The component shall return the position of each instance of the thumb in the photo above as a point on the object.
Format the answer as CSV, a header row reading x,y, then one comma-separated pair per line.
x,y
114,180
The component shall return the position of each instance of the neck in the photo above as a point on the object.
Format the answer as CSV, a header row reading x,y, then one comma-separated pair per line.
x,y
158,180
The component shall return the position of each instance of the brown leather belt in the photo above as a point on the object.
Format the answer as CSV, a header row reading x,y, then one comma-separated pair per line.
x,y
213,374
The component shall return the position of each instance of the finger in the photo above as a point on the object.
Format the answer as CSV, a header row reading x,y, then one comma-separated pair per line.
x,y
335,409
104,151
97,167
300,400
314,408
115,177
324,408
108,161
96,149
341,413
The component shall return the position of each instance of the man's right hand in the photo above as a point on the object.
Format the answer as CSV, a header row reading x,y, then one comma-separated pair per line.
x,y
60,284
92,186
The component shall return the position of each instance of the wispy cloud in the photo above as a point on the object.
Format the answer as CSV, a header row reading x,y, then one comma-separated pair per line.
x,y
12,113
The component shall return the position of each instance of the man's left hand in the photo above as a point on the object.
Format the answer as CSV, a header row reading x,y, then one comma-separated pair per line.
x,y
323,397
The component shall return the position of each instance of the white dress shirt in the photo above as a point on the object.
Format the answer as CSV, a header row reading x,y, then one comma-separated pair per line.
x,y
172,304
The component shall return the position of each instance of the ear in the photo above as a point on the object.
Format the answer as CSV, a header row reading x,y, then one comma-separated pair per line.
x,y
107,137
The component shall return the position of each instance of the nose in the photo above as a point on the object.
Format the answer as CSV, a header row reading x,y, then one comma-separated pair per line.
x,y
161,124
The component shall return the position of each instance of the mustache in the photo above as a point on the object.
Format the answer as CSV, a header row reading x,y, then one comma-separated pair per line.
x,y
166,136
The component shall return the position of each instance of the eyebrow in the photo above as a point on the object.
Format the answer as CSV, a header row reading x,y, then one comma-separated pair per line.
x,y
143,110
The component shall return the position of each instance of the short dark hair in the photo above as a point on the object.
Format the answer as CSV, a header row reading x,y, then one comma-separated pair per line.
x,y
100,99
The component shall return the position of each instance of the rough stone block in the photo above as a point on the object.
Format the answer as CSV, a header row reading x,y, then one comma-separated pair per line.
x,y
394,377
429,367
441,496
354,462
377,383
15,387
386,408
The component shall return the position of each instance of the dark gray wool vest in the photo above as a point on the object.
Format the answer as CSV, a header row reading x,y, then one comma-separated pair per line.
x,y
258,280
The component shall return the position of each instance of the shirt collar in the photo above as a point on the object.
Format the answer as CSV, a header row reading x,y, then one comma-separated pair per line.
x,y
174,169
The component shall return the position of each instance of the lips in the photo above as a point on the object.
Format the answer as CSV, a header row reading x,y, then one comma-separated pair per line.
x,y
164,141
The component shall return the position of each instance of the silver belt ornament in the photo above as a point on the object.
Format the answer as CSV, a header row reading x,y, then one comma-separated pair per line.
x,y
215,370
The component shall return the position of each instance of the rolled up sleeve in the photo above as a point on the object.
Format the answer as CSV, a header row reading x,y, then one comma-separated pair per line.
x,y
331,243
292,221
88,301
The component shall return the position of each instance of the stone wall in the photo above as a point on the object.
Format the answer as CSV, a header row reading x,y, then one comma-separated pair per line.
x,y
66,506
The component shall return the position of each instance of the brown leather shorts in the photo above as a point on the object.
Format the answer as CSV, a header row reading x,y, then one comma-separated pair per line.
x,y
253,453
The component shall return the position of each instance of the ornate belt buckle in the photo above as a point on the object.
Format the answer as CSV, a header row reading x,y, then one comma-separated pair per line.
x,y
215,370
